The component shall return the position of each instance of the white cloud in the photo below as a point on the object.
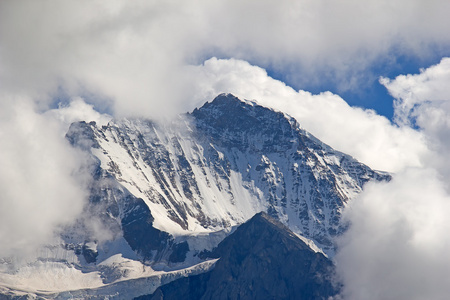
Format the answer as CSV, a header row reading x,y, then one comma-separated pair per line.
x,y
40,180
397,245
424,99
133,52
77,110
413,90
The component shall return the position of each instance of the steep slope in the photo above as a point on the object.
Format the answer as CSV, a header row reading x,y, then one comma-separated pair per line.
x,y
262,259
224,162
303,182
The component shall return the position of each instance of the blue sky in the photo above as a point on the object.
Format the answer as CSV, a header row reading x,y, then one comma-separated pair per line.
x,y
370,94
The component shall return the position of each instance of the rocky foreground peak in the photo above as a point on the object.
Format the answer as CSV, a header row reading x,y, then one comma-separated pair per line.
x,y
262,259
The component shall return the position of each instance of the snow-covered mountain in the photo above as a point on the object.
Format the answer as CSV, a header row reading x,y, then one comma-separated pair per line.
x,y
225,162
164,193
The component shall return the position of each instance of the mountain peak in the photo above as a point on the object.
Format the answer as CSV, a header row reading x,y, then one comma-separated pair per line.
x,y
262,259
233,121
229,96
224,104
261,228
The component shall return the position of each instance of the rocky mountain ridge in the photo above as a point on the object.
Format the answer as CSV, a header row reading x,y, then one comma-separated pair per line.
x,y
163,195
225,162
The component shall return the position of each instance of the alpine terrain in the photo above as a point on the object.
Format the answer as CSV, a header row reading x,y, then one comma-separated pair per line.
x,y
231,201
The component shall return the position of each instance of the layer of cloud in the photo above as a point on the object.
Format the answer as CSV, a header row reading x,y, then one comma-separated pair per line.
x,y
41,184
414,91
397,245
132,52
371,138
423,100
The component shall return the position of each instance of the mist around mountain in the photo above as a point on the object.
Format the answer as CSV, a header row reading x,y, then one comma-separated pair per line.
x,y
233,200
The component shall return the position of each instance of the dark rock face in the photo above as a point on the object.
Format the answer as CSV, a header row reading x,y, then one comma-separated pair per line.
x,y
179,252
89,255
82,135
138,230
234,124
262,259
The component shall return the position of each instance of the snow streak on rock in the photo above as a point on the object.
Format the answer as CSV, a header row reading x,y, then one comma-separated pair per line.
x,y
226,161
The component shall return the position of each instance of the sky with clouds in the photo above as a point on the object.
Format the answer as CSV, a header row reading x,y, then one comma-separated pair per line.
x,y
370,78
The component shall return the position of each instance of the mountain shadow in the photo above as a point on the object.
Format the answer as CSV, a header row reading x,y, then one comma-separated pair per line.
x,y
262,259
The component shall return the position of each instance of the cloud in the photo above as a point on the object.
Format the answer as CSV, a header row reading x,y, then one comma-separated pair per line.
x,y
138,55
414,91
397,244
77,110
41,184
362,133
133,52
107,50
424,100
